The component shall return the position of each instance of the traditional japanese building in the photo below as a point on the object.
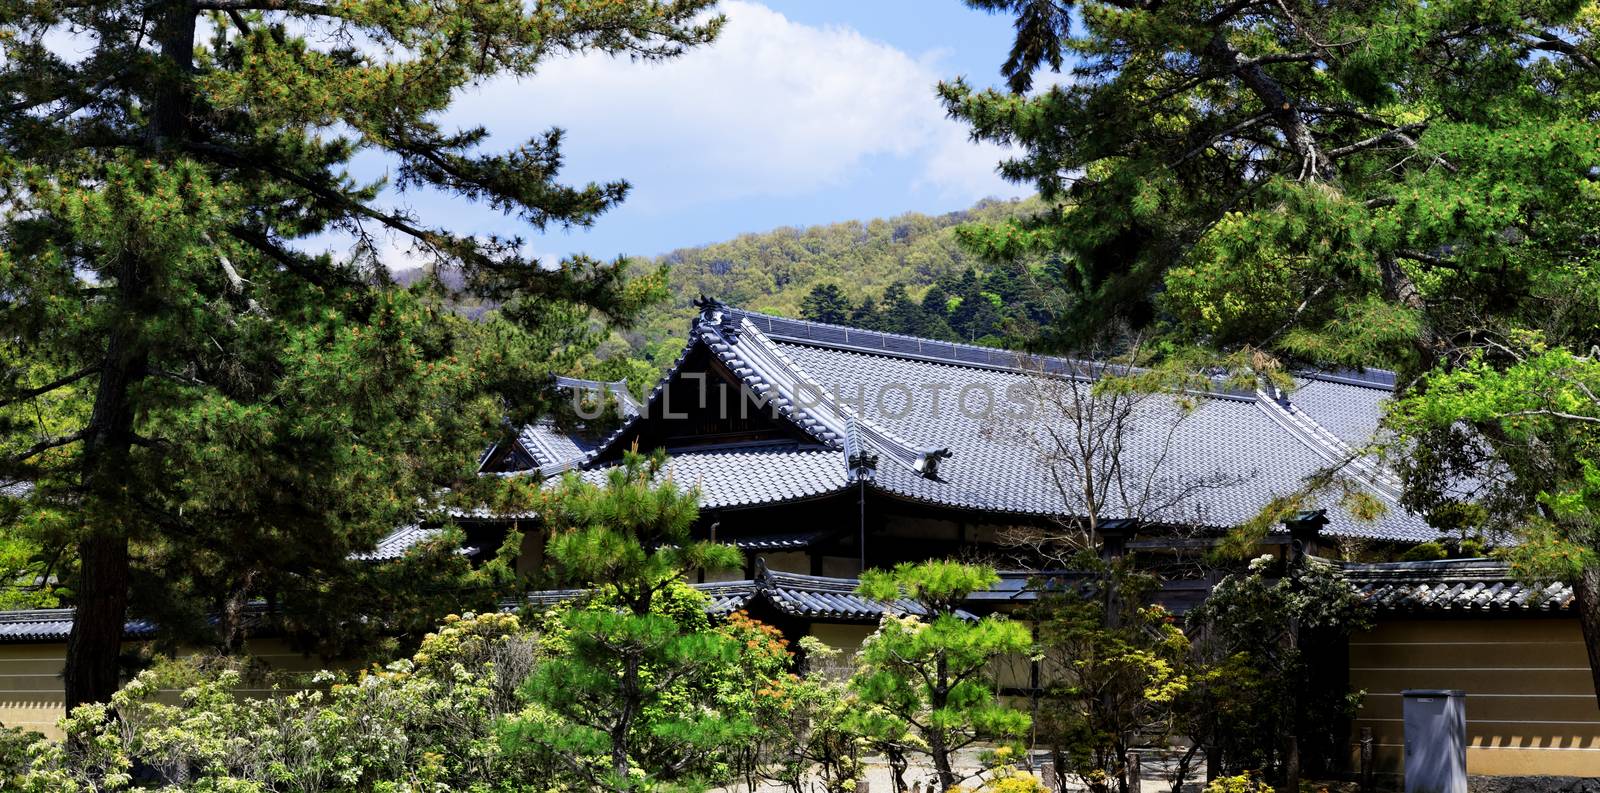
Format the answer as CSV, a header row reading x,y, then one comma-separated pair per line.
x,y
820,449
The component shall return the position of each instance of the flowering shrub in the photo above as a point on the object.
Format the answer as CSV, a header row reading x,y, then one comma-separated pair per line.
x,y
807,741
1243,783
1254,690
420,724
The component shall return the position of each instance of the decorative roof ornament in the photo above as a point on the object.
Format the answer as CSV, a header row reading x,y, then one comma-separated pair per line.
x,y
716,313
859,457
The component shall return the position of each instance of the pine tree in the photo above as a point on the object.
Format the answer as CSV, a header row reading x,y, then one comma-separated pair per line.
x,y
826,303
926,674
225,411
866,315
975,316
936,315
1402,184
901,314
629,681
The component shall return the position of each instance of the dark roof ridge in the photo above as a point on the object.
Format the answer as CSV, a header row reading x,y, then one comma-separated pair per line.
x,y
767,371
1365,377
958,354
1454,586
617,388
1436,569
844,337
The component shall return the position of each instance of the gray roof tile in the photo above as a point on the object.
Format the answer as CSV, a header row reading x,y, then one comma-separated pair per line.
x,y
1454,586
1350,412
396,544
791,594
744,476
1233,451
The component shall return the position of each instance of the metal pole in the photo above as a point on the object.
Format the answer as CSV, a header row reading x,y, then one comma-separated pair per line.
x,y
1367,782
861,503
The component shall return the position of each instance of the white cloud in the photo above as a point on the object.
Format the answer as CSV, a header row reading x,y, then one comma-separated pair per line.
x,y
773,108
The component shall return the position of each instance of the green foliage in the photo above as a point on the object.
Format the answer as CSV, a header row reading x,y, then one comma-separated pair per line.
x,y
1265,643
1109,684
421,724
806,739
634,689
923,681
1537,419
1355,185
1007,779
941,585
1425,552
1402,184
777,271
15,744
1240,783
826,303
207,413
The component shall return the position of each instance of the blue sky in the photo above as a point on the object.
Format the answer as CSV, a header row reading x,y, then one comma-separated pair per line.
x,y
804,112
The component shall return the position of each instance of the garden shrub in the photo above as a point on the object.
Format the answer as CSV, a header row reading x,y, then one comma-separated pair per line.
x,y
426,723
1247,782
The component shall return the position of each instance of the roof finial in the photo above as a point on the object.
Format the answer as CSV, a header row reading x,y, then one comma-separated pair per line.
x,y
715,312
711,309
860,459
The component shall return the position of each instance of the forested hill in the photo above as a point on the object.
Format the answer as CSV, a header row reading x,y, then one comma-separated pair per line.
x,y
774,271
905,274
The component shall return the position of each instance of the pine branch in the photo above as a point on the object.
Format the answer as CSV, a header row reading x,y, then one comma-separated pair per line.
x,y
1550,42
44,446
235,281
293,261
1401,134
48,387
1428,259
1559,414
294,6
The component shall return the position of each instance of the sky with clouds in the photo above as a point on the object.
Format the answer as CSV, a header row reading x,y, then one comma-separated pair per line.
x,y
802,112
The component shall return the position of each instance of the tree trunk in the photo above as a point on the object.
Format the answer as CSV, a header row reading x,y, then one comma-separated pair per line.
x,y
91,673
96,639
1587,590
940,698
941,760
95,642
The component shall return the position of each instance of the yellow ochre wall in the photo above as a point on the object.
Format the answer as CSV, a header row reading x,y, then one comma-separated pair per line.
x,y
1530,699
31,694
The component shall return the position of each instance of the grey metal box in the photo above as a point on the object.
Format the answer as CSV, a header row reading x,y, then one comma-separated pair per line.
x,y
1436,740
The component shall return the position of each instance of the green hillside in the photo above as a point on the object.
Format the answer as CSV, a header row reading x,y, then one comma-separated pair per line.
x,y
774,271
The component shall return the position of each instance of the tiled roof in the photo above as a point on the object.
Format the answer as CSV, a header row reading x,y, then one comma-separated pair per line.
x,y
741,476
1245,446
551,447
817,597
777,542
396,544
1454,586
542,446
1350,412
1233,451
790,594
618,389
53,625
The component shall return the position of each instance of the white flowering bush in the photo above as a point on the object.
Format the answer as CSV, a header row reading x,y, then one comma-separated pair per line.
x,y
423,724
